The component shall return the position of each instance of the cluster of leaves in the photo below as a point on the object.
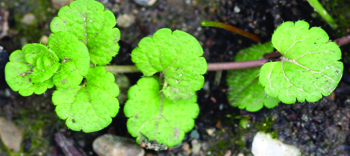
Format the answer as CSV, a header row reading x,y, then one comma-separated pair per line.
x,y
85,95
162,105
165,98
309,68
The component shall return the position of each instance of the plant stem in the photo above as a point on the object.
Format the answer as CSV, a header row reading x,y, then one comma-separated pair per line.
x,y
211,66
122,69
221,66
323,12
230,28
236,65
343,40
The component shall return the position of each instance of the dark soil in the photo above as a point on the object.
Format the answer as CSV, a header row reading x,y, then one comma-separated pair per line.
x,y
320,128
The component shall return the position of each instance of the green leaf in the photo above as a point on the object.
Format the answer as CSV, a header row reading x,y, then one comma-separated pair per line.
x,y
178,56
74,58
90,106
254,52
30,70
245,92
309,67
156,117
44,60
91,24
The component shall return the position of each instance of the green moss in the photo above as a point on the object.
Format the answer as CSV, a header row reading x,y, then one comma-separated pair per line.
x,y
3,150
232,136
36,116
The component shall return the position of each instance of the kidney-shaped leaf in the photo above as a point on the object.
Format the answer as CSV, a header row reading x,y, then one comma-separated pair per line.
x,y
90,106
30,69
44,61
155,117
74,57
178,56
245,92
309,67
91,24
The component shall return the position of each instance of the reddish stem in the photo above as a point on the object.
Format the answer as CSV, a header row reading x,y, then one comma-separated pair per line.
x,y
343,40
236,65
221,66
230,28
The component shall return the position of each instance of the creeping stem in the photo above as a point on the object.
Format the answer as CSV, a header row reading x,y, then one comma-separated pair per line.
x,y
122,69
211,66
343,40
221,66
236,65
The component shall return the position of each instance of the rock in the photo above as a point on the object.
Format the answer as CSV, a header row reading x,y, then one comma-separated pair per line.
x,y
196,146
29,19
125,20
210,131
4,25
123,83
111,145
186,148
264,145
228,153
145,2
11,135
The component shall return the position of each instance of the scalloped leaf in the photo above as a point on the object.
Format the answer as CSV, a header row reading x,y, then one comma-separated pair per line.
x,y
178,56
309,67
157,117
91,24
74,58
245,92
44,61
89,107
30,69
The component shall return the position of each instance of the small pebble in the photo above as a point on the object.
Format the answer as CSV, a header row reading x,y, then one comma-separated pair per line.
x,y
125,20
210,131
236,9
11,135
124,84
145,2
29,19
264,145
186,148
112,145
196,147
228,153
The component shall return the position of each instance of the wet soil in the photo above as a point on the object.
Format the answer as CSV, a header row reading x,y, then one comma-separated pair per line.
x,y
320,128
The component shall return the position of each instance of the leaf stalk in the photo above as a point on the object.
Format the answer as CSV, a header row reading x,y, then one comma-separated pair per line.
x,y
220,66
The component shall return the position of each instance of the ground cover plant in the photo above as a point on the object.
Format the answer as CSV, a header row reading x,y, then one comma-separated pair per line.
x,y
161,106
308,69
